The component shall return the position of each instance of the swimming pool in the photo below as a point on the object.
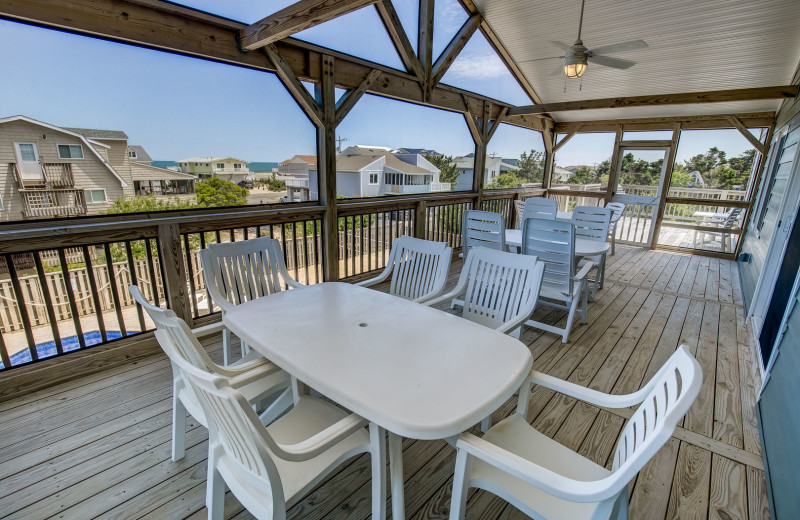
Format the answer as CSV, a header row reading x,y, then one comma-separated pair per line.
x,y
48,348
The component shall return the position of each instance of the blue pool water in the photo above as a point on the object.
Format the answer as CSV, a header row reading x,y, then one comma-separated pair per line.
x,y
48,349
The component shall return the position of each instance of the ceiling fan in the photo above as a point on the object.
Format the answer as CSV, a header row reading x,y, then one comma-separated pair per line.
x,y
576,56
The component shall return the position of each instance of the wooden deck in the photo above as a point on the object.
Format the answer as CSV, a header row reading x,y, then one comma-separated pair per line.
x,y
99,447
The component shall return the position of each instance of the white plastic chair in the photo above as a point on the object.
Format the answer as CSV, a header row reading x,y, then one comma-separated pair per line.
x,y
553,243
237,272
268,469
482,229
420,268
617,210
545,479
592,223
253,375
535,207
499,289
730,220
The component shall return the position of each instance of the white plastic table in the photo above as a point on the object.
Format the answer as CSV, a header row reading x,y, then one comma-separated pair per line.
x,y
413,370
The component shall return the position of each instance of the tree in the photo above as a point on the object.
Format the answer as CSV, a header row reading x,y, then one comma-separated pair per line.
x,y
504,180
216,192
448,172
149,203
582,175
531,166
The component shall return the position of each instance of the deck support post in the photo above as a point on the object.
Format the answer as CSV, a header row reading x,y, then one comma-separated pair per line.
x,y
326,170
175,282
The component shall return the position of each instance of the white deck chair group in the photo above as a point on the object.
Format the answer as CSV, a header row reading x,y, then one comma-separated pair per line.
x,y
553,243
418,268
270,468
237,272
547,480
592,223
254,376
535,207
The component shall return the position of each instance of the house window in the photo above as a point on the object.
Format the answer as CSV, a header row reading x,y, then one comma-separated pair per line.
x,y
70,151
97,196
373,178
132,154
237,166
221,166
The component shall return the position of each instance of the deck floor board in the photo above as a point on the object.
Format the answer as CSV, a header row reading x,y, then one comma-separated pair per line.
x,y
99,446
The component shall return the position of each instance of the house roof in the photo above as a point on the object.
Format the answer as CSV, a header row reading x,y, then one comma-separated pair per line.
x,y
141,155
354,163
404,167
309,159
145,172
210,159
99,134
89,144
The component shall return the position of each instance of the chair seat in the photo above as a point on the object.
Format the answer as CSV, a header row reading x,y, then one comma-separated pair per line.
x,y
307,418
517,436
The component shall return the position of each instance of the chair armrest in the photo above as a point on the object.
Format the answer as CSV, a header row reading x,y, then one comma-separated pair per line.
x,y
207,330
246,373
378,279
586,394
446,297
584,272
553,483
317,444
294,284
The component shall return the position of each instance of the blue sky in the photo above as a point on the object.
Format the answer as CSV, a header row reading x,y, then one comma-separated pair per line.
x,y
179,107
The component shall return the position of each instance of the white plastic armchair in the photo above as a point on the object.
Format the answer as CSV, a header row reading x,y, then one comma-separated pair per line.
x,y
593,223
498,289
482,229
617,211
420,268
553,243
268,469
536,207
253,375
545,479
237,272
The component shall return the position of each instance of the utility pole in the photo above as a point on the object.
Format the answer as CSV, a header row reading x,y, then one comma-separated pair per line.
x,y
339,141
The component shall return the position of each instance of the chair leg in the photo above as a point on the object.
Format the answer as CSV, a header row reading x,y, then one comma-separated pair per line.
x,y
215,490
584,302
602,271
573,306
226,347
486,423
613,242
396,475
377,436
178,427
276,409
458,502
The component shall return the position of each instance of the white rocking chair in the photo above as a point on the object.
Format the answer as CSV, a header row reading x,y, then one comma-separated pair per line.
x,y
420,268
545,479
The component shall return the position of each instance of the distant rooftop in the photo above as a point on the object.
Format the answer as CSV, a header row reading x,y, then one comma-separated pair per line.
x,y
91,133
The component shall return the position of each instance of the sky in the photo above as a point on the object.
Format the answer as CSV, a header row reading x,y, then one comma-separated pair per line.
x,y
178,107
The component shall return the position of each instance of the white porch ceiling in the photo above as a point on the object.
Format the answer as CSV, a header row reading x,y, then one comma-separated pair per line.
x,y
695,45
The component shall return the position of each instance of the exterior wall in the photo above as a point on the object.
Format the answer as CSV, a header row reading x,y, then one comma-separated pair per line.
x,y
348,184
371,190
88,173
117,156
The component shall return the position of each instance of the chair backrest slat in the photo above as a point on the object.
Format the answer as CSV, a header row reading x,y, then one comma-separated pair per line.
x,y
591,222
237,272
552,242
617,210
499,286
483,229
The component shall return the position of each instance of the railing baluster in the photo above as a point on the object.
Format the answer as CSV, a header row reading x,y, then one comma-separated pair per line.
x,y
190,275
112,282
48,302
296,256
134,281
73,306
98,306
21,307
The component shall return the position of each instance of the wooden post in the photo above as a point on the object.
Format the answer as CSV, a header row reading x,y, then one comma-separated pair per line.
x,y
326,170
754,192
549,138
612,169
662,203
421,219
478,166
169,245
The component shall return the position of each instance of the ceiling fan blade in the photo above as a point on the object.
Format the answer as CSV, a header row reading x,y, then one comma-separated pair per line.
x,y
620,47
561,45
615,63
558,71
543,59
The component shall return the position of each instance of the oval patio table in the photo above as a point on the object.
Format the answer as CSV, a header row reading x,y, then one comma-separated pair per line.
x,y
413,370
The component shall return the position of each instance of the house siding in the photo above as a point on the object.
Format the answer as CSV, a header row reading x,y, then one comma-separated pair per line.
x,y
88,173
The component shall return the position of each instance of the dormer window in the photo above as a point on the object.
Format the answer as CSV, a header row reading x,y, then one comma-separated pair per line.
x,y
132,154
70,151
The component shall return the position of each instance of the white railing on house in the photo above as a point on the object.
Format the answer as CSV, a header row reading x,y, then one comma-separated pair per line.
x,y
440,186
297,183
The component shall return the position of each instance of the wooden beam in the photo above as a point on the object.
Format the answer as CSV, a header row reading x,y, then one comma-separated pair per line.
x,y
425,35
169,247
453,49
753,189
349,100
295,18
503,53
753,119
326,170
715,96
391,21
472,122
549,138
758,145
181,30
669,167
566,138
495,125
298,92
